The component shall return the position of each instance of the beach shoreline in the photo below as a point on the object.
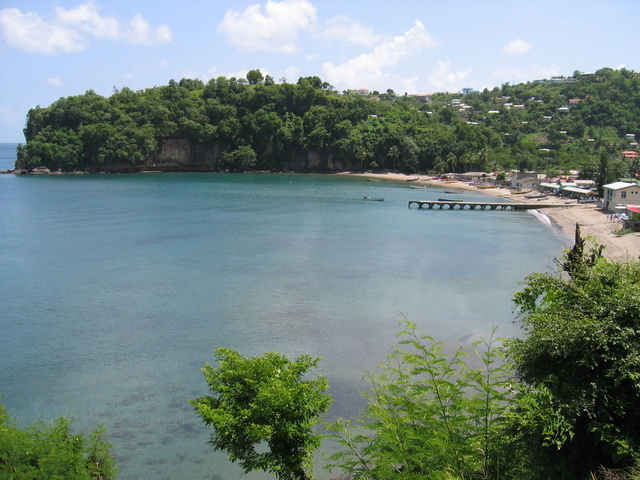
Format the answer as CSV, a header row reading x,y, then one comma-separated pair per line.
x,y
595,223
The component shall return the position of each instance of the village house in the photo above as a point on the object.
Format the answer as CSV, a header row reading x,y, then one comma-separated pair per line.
x,y
426,98
526,180
570,188
473,176
621,193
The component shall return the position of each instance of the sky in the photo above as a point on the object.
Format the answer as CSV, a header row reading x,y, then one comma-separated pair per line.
x,y
57,48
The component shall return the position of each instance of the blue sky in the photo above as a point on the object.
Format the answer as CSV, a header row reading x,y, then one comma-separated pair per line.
x,y
52,49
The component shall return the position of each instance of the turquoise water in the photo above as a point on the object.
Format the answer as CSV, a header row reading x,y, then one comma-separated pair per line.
x,y
116,289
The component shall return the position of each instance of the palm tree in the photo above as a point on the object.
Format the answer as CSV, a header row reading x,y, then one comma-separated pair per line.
x,y
452,161
440,165
394,154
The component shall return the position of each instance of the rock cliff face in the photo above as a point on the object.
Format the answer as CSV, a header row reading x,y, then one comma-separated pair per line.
x,y
179,154
183,155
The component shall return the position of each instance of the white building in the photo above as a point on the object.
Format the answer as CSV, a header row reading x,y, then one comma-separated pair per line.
x,y
526,180
620,193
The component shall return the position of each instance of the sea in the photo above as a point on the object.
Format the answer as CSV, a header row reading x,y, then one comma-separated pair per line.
x,y
116,289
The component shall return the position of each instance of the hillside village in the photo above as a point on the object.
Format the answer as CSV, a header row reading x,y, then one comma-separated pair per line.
x,y
620,197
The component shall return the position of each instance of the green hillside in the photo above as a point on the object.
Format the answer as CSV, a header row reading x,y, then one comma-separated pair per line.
x,y
256,124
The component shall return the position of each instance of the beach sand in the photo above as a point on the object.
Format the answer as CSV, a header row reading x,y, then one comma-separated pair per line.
x,y
595,223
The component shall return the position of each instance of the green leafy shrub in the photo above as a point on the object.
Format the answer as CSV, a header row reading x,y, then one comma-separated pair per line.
x,y
429,414
53,452
263,411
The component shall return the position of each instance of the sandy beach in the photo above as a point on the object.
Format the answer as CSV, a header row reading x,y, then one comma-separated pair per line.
x,y
594,222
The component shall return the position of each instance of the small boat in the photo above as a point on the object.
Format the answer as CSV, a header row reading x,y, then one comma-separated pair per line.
x,y
374,199
453,191
373,179
539,195
450,200
416,186
487,186
413,179
521,192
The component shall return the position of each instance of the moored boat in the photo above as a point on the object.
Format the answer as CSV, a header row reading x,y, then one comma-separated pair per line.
x,y
374,199
450,200
521,192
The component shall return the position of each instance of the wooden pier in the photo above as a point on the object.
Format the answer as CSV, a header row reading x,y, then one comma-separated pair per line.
x,y
483,205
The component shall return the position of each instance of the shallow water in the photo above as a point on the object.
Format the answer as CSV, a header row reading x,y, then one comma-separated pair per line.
x,y
116,289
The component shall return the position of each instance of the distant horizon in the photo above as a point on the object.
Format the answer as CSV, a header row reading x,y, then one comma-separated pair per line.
x,y
58,48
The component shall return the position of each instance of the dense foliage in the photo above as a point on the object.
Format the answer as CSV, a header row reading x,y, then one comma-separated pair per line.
x,y
53,451
430,415
256,124
580,358
263,409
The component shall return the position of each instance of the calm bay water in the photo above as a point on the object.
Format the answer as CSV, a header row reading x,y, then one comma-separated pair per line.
x,y
116,289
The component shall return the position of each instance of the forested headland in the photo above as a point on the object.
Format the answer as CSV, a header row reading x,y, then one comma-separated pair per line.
x,y
254,123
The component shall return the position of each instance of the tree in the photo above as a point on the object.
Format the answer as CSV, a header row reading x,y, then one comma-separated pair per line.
x,y
580,352
241,159
254,77
394,154
429,415
452,161
263,411
53,451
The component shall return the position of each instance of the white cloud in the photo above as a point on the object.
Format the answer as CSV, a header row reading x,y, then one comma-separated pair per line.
x,y
511,75
343,29
140,32
86,19
369,69
274,30
517,75
517,47
291,74
70,31
55,82
28,32
444,80
539,71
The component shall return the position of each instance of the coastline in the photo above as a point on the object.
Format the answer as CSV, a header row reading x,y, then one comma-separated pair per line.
x,y
595,224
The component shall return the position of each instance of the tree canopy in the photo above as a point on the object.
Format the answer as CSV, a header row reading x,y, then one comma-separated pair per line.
x,y
581,352
263,410
53,451
544,125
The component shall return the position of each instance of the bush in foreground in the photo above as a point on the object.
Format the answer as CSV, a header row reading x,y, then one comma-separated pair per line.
x,y
53,452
